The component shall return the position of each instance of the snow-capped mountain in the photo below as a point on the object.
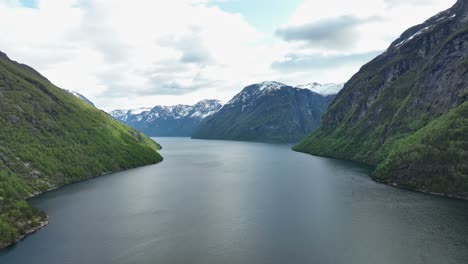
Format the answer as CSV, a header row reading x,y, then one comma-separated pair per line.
x,y
248,95
323,89
267,111
82,97
251,92
178,120
119,114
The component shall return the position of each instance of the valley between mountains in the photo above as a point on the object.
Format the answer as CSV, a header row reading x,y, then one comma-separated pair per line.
x,y
404,115
404,112
264,112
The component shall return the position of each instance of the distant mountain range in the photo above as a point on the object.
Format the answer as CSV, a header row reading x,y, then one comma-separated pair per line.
x,y
270,112
406,111
168,121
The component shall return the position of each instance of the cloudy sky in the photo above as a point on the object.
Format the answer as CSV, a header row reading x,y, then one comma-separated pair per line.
x,y
128,54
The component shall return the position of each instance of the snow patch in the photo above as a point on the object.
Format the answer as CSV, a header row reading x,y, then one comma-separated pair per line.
x,y
139,110
269,85
425,30
323,89
200,110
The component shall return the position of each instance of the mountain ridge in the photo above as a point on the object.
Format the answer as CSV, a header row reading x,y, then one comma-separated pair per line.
x,y
178,120
418,83
268,111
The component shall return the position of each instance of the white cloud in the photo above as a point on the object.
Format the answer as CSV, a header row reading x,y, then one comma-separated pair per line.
x,y
124,54
340,34
384,19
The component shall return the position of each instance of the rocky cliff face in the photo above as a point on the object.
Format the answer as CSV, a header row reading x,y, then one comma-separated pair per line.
x,y
420,82
168,121
268,112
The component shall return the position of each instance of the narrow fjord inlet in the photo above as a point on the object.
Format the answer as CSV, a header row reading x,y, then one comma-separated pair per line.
x,y
250,203
234,132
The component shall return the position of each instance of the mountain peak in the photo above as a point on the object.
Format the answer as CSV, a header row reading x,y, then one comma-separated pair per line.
x,y
268,111
208,102
270,85
177,120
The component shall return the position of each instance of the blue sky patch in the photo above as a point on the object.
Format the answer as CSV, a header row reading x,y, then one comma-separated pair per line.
x,y
265,15
29,3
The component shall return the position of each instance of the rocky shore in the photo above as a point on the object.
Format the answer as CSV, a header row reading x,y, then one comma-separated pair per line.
x,y
28,232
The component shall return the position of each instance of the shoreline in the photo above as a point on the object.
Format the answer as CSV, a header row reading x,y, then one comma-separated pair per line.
x,y
396,185
391,184
28,233
44,223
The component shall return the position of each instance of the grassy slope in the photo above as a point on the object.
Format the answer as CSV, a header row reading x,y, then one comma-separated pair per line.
x,y
49,138
432,159
388,144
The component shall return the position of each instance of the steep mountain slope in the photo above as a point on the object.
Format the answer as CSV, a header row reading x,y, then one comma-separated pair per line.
x,y
405,111
49,138
268,111
168,121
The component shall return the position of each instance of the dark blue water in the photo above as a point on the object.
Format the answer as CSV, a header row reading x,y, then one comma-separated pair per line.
x,y
216,202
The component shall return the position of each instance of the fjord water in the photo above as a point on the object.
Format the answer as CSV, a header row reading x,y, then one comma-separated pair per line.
x,y
214,202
